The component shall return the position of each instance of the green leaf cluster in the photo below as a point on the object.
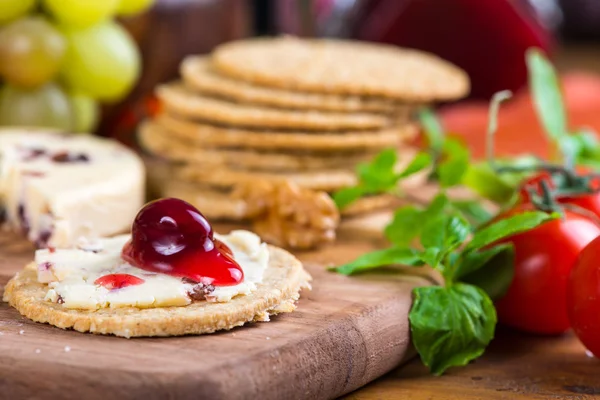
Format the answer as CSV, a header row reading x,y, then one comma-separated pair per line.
x,y
450,324
380,176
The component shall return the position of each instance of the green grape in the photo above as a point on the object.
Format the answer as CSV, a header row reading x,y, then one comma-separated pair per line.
x,y
30,52
102,61
81,13
85,113
47,106
13,9
130,7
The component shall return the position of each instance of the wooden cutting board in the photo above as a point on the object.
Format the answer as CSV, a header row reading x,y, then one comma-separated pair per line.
x,y
345,333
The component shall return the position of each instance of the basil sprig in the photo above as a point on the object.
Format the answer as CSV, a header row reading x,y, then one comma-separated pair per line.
x,y
451,324
380,176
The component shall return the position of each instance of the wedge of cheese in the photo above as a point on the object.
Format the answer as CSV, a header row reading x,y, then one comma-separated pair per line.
x,y
57,188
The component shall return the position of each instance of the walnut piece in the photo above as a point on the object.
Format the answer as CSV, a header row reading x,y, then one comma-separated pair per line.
x,y
289,216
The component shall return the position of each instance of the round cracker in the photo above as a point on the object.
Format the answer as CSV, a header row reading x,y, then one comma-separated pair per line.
x,y
198,75
327,181
215,204
369,204
182,101
210,135
341,67
154,140
282,282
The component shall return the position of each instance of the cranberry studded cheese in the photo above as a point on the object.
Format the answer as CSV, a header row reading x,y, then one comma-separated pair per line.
x,y
56,188
95,275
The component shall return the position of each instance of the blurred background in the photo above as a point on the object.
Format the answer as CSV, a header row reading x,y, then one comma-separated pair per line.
x,y
486,38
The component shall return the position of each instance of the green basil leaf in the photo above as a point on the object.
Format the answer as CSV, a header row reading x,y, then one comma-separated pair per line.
x,y
436,208
455,163
446,232
482,179
433,256
585,146
409,221
382,163
379,173
475,260
547,97
507,227
381,258
473,211
491,270
419,163
405,226
344,197
432,129
450,326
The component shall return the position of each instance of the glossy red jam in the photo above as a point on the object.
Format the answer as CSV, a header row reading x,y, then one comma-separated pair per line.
x,y
172,237
118,281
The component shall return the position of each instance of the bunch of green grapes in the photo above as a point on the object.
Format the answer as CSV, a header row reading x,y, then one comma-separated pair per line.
x,y
60,58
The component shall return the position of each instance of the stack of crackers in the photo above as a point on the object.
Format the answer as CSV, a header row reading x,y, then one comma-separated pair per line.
x,y
304,112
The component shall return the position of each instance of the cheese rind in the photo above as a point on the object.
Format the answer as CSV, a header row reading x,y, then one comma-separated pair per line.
x,y
57,188
71,275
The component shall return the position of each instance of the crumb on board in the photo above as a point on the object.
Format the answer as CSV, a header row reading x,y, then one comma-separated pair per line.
x,y
21,332
67,349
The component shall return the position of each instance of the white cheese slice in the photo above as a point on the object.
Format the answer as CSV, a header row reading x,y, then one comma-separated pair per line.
x,y
55,203
71,275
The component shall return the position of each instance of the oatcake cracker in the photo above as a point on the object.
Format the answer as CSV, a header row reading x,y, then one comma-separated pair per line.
x,y
341,67
215,204
327,181
154,140
180,100
369,204
282,281
198,76
210,135
368,226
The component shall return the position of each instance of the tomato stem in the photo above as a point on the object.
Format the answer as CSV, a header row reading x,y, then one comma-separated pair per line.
x,y
497,99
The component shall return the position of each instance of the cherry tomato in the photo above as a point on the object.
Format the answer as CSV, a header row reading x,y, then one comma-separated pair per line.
x,y
544,256
583,297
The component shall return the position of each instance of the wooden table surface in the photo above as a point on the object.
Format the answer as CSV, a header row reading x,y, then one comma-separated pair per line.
x,y
516,366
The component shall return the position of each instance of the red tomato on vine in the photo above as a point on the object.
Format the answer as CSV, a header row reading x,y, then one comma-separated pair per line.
x,y
583,297
544,256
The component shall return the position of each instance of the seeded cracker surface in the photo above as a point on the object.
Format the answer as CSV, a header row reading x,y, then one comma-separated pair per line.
x,y
182,101
282,282
156,142
341,67
209,135
327,181
197,74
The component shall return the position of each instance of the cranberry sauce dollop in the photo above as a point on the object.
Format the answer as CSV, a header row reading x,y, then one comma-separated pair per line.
x,y
172,237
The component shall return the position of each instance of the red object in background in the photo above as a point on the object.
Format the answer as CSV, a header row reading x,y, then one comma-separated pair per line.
x,y
519,131
487,38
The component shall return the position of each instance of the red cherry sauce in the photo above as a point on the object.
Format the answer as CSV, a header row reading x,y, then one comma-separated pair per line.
x,y
172,237
118,281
